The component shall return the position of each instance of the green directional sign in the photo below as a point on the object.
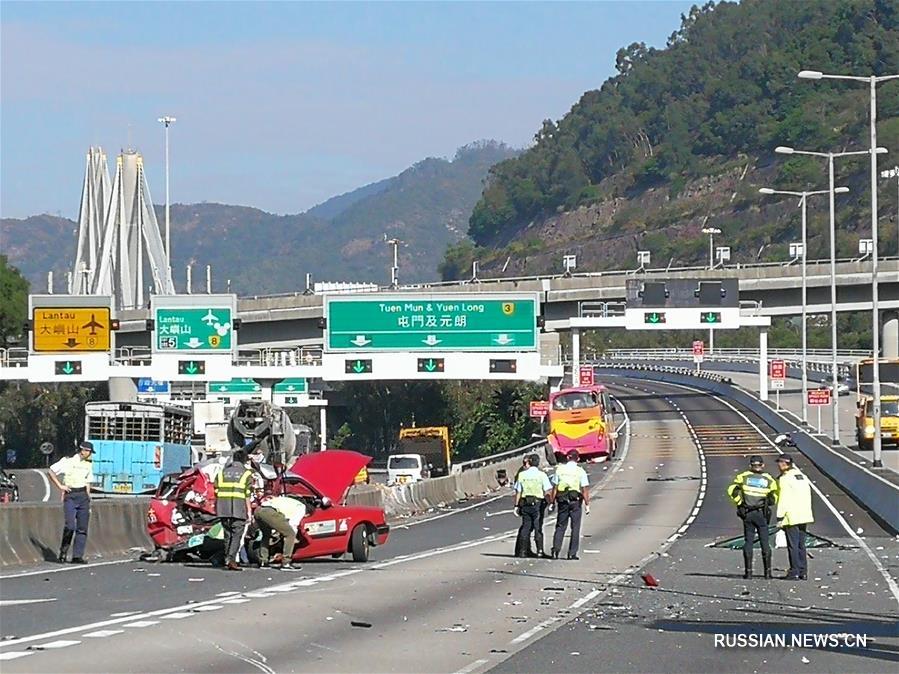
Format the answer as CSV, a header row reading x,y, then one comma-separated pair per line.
x,y
460,322
67,367
192,367
291,386
198,329
431,365
240,385
710,317
654,317
358,366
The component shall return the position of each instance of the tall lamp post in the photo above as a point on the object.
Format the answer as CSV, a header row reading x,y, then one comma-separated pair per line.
x,y
711,231
835,375
167,121
893,173
803,199
872,81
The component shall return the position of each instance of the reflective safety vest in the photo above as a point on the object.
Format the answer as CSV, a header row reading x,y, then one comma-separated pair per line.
x,y
532,482
753,489
233,482
795,505
569,477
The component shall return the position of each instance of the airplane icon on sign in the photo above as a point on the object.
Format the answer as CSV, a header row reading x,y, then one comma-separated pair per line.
x,y
210,318
93,324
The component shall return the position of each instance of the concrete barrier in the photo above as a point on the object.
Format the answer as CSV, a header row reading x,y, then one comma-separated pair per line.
x,y
871,488
31,532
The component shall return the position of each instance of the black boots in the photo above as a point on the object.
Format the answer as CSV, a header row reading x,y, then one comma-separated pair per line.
x,y
67,535
766,560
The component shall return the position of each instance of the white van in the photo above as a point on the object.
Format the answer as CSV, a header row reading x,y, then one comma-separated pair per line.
x,y
406,468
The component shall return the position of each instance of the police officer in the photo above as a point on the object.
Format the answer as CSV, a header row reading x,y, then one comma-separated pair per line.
x,y
754,492
233,487
531,487
570,489
794,514
77,474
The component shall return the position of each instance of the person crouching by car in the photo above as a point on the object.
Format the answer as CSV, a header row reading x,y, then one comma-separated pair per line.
x,y
284,515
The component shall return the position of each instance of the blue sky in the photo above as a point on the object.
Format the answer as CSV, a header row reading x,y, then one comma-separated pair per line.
x,y
282,105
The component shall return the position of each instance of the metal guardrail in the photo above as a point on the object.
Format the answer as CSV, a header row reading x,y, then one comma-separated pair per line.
x,y
729,353
589,274
494,458
280,356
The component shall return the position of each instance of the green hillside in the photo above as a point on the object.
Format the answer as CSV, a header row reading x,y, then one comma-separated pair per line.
x,y
685,134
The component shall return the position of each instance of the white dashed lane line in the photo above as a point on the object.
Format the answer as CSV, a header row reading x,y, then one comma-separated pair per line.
x,y
100,634
51,645
143,623
15,655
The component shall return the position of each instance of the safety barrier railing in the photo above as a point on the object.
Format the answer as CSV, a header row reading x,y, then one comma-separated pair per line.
x,y
13,357
133,355
495,458
589,274
280,356
732,353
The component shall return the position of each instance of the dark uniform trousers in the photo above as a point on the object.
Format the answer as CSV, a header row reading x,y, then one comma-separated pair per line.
x,y
77,508
569,510
529,507
755,522
538,533
796,549
232,528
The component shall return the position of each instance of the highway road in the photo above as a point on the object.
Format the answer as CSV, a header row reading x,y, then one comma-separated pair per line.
x,y
445,594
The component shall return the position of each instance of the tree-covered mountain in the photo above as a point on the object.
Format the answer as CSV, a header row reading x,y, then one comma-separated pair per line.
x,y
682,137
426,206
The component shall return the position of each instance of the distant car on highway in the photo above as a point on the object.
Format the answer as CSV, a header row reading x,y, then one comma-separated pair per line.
x,y
844,386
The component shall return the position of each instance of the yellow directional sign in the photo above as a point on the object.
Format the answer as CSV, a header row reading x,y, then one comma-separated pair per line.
x,y
64,329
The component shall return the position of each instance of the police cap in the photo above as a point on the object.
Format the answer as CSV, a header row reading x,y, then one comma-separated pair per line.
x,y
785,458
86,446
756,459
573,455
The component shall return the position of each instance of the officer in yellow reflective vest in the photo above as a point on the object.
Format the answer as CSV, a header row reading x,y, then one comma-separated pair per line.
x,y
570,489
754,492
531,487
794,514
233,487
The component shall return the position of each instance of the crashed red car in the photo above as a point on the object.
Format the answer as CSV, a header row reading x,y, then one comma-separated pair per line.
x,y
183,510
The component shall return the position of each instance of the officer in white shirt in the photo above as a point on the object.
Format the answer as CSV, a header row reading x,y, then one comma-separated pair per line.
x,y
77,475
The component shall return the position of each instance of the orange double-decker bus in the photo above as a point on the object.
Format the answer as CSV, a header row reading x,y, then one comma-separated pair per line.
x,y
580,418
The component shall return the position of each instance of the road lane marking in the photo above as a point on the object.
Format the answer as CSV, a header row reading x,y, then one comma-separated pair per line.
x,y
467,669
47,491
52,645
143,623
18,602
100,634
78,567
524,636
14,655
209,607
181,615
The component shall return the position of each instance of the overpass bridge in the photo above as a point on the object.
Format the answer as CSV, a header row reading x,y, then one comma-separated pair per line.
x,y
774,289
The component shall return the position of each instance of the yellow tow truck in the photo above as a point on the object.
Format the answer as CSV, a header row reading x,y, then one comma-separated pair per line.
x,y
889,421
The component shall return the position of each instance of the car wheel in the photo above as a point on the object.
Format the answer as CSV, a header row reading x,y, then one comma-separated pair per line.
x,y
359,543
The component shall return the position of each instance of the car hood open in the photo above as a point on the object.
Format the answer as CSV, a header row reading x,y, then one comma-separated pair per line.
x,y
331,472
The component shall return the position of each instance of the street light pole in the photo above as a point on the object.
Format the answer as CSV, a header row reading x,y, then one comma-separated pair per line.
x,y
833,271
167,121
803,203
872,81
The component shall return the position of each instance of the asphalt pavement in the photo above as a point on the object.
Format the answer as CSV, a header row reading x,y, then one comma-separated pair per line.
x,y
446,595
684,624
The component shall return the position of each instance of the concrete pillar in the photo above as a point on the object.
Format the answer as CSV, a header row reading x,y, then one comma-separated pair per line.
x,y
890,341
323,428
575,354
122,390
763,364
